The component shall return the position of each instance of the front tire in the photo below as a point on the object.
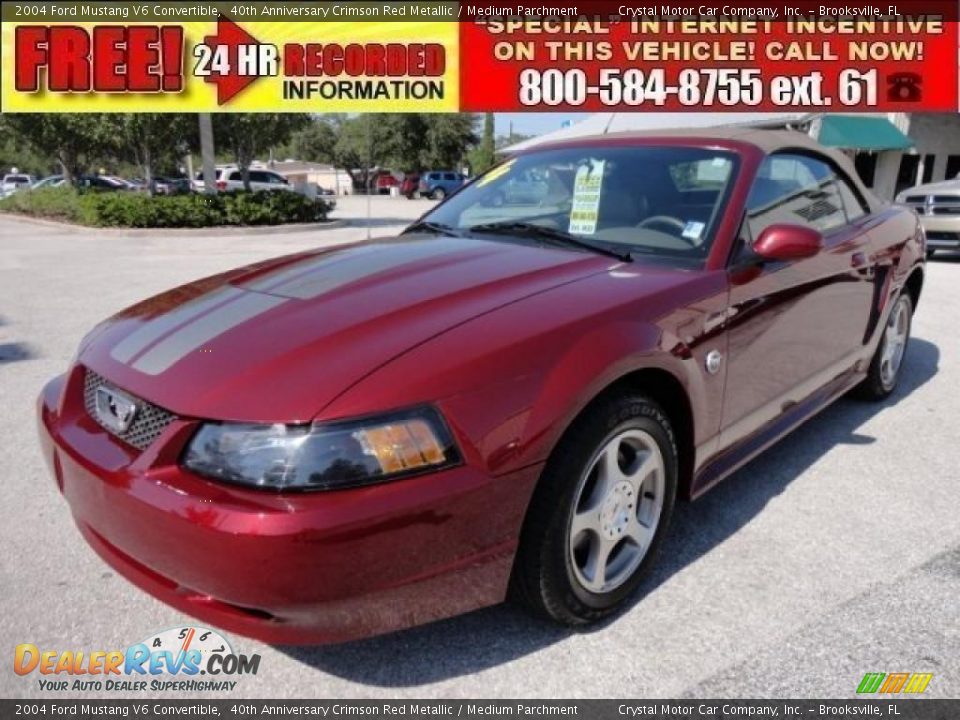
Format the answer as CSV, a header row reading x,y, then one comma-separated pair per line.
x,y
884,373
599,513
438,194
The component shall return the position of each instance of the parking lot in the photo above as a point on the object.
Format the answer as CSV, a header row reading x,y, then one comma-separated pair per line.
x,y
835,553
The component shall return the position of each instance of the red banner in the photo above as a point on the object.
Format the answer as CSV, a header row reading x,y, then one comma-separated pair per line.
x,y
701,63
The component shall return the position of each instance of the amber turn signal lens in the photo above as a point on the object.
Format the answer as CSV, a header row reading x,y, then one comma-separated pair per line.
x,y
402,446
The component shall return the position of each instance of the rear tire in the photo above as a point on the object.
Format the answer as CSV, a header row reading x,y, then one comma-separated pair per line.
x,y
599,513
438,194
887,363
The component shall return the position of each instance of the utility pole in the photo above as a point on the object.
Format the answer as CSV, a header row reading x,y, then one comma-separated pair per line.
x,y
207,153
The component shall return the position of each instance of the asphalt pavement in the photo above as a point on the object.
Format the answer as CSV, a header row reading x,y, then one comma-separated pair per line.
x,y
835,553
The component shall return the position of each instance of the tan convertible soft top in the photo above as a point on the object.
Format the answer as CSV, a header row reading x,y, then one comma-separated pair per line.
x,y
769,141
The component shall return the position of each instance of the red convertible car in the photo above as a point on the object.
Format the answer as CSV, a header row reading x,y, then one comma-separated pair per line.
x,y
507,398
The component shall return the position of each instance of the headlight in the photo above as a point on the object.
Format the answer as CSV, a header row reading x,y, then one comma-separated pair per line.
x,y
323,456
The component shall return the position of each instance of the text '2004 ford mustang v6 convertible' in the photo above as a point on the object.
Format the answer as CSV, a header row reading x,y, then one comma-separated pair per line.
x,y
507,397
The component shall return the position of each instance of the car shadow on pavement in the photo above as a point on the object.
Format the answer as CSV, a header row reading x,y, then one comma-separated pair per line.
x,y
493,636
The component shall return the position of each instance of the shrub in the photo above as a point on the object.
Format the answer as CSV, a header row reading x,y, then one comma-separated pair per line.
x,y
53,203
138,210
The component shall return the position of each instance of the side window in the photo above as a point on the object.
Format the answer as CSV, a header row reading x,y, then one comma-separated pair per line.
x,y
236,175
259,176
852,203
276,179
795,190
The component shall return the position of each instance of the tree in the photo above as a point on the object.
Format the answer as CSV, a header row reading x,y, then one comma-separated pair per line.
x,y
14,153
153,139
314,143
486,154
74,139
447,139
247,134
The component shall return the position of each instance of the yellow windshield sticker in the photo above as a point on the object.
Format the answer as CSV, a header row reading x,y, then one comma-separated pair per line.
x,y
497,172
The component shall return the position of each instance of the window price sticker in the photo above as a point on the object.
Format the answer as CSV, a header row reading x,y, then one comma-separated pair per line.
x,y
585,210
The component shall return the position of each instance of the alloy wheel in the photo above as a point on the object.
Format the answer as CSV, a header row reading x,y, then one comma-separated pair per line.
x,y
618,507
895,342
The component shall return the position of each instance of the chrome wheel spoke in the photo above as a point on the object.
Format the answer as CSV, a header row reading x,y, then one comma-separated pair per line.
x,y
649,465
640,534
596,566
610,472
587,521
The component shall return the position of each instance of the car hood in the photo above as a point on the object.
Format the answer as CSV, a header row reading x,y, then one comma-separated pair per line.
x,y
277,342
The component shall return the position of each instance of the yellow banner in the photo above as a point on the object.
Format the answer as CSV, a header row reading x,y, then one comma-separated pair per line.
x,y
223,65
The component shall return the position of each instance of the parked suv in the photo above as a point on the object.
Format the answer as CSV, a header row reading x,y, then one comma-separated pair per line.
x,y
437,184
938,205
230,178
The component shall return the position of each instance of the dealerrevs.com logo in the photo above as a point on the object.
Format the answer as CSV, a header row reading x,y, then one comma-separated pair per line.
x,y
187,659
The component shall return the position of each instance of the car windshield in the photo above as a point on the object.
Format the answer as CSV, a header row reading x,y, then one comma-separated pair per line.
x,y
657,202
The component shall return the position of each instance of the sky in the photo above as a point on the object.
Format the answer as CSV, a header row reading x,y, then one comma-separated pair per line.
x,y
533,123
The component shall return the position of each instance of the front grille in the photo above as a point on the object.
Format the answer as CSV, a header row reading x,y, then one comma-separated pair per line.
x,y
147,424
934,204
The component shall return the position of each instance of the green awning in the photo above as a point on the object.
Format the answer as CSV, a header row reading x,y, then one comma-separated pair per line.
x,y
850,132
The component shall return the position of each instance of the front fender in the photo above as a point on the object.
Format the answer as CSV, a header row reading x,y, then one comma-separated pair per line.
x,y
598,360
510,382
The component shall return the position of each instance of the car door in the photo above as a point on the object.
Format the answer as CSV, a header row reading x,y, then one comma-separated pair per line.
x,y
795,327
275,181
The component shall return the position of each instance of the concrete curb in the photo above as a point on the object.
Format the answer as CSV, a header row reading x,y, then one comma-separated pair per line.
x,y
218,231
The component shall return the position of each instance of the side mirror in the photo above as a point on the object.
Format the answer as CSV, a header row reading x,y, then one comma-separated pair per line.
x,y
788,242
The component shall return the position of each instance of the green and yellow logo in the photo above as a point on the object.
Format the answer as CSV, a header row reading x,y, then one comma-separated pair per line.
x,y
894,683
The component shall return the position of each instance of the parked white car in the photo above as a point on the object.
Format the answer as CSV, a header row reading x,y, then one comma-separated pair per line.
x,y
938,205
15,181
229,178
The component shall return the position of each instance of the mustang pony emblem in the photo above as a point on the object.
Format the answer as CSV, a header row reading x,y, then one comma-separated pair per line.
x,y
115,410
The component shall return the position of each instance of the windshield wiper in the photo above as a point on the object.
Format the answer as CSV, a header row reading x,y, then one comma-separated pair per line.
x,y
434,227
512,227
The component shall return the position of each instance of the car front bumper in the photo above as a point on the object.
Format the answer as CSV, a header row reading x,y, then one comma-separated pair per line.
x,y
295,568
